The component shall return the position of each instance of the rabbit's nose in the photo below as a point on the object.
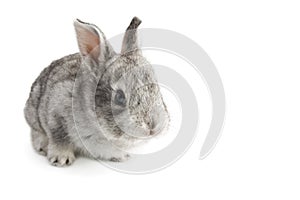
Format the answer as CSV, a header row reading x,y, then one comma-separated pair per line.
x,y
152,132
151,125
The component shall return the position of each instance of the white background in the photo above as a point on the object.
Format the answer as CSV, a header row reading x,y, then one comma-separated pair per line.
x,y
255,46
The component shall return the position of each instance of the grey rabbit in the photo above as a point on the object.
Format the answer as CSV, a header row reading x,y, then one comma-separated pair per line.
x,y
122,92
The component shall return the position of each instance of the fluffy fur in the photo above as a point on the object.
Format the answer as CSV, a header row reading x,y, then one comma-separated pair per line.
x,y
49,109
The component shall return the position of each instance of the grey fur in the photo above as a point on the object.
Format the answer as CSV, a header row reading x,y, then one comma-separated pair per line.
x,y
48,110
130,42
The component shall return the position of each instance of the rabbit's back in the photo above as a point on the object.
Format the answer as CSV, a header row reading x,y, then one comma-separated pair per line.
x,y
59,75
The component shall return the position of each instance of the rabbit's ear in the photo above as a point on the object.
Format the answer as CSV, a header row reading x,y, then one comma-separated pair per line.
x,y
91,42
130,40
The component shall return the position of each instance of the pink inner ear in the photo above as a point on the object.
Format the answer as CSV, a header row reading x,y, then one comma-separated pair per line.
x,y
88,42
91,43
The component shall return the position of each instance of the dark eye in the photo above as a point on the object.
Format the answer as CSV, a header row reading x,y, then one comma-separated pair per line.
x,y
120,98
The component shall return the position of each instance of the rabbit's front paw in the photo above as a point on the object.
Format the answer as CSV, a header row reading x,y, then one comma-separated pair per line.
x,y
39,142
61,158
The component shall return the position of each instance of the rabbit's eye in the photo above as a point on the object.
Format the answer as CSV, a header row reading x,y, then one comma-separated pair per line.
x,y
120,98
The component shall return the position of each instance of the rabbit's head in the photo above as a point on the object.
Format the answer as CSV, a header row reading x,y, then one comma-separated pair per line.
x,y
129,104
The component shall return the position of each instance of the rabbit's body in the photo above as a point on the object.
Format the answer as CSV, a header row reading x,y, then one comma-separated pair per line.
x,y
128,104
49,109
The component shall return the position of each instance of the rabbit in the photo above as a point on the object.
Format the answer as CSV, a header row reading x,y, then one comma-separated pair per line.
x,y
128,104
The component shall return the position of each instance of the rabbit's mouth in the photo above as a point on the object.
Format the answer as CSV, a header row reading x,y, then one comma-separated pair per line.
x,y
162,127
